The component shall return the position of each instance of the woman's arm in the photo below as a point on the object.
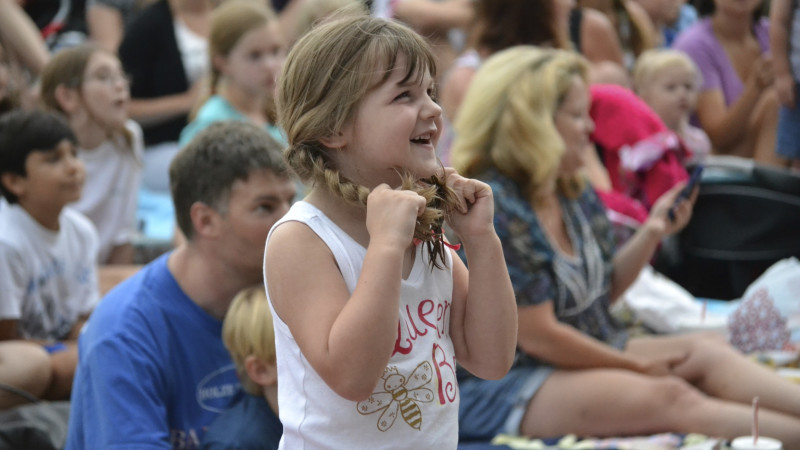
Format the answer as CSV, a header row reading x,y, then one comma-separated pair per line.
x,y
632,257
543,337
726,126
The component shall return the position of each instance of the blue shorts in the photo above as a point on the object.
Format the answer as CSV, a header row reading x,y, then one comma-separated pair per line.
x,y
490,407
787,140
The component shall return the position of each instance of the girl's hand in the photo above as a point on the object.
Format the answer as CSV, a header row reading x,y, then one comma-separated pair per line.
x,y
392,215
474,213
659,220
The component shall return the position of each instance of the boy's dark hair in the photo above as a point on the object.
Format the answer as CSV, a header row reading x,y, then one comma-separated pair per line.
x,y
205,170
25,132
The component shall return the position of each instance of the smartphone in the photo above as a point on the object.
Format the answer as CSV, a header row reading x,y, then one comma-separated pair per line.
x,y
687,190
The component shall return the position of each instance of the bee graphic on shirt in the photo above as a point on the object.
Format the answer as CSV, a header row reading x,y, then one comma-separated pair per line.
x,y
400,393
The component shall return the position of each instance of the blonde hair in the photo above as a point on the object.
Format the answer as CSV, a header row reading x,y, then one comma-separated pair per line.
x,y
326,74
229,23
655,61
247,330
506,121
68,68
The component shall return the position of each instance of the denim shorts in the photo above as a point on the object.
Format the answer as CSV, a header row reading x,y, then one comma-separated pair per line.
x,y
787,140
490,407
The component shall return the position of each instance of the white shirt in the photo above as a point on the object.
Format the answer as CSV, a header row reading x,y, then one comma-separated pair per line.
x,y
415,403
48,278
109,198
193,49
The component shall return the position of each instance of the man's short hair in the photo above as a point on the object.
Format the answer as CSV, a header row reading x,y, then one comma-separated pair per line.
x,y
23,132
206,169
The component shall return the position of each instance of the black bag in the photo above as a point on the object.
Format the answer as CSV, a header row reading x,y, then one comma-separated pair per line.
x,y
747,217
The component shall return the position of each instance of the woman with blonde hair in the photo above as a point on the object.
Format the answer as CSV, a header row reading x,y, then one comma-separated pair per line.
x,y
524,130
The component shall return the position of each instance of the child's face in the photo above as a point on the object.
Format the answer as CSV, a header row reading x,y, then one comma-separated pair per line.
x,y
53,177
256,60
672,95
396,127
105,91
574,124
254,205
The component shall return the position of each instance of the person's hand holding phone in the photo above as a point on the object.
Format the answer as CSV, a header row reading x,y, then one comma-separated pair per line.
x,y
673,210
686,191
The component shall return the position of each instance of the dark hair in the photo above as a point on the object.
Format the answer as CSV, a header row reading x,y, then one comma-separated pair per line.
x,y
25,132
224,152
706,8
500,24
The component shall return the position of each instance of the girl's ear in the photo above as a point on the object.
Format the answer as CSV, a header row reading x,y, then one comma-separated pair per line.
x,y
339,140
261,372
69,99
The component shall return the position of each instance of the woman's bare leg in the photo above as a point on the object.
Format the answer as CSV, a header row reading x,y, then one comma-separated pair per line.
x,y
611,402
720,370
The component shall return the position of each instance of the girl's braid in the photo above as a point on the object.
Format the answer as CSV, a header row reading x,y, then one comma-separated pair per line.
x,y
311,163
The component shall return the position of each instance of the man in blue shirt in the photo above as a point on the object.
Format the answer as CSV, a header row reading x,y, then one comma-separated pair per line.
x,y
153,371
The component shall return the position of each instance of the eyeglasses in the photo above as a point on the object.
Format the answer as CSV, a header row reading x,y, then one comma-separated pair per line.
x,y
109,79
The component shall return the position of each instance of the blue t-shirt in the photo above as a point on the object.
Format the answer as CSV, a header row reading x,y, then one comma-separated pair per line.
x,y
217,109
152,369
250,424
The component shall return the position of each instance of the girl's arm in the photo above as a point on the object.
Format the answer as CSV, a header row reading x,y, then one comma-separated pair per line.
x,y
484,315
542,336
780,15
347,338
638,251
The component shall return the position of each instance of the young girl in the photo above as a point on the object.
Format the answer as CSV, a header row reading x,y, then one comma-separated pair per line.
x,y
246,51
87,85
668,81
371,308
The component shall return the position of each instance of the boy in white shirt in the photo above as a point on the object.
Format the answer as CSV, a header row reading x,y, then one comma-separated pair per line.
x,y
47,252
